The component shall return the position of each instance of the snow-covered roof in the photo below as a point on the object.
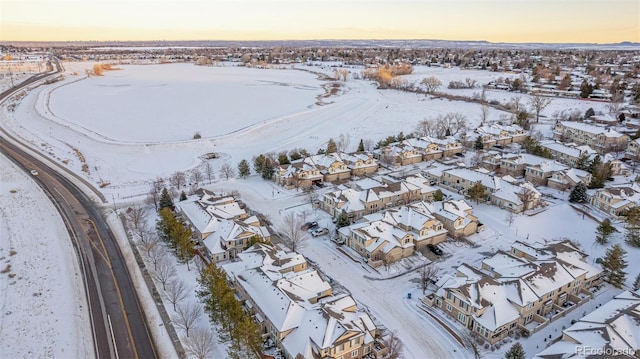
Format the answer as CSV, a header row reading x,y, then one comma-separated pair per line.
x,y
614,326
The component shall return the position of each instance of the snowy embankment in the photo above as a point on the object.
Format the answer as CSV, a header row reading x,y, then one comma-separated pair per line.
x,y
43,307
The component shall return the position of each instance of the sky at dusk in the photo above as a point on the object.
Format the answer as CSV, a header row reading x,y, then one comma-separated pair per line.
x,y
554,21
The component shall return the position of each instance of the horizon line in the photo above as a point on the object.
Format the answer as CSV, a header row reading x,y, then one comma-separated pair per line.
x,y
321,39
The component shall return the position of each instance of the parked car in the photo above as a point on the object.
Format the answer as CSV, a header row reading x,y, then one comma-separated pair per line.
x,y
309,225
434,249
34,172
337,240
319,231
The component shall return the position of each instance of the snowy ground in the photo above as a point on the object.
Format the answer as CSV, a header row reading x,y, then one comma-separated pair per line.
x,y
129,157
43,308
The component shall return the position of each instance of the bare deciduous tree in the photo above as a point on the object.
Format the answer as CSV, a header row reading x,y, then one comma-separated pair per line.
x,y
136,215
450,124
178,179
156,254
176,291
156,190
163,272
538,104
187,315
394,346
527,196
196,176
368,144
426,127
484,113
343,142
200,343
427,275
147,239
208,171
294,235
431,84
227,171
510,218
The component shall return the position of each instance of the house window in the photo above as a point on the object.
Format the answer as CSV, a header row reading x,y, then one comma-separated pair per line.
x,y
462,318
449,308
438,302
354,353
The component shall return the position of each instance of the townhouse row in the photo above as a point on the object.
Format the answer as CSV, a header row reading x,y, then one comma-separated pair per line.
x,y
601,139
332,167
220,225
396,233
297,310
504,192
521,290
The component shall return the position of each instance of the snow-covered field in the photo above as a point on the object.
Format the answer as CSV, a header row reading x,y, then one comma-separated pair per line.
x,y
157,103
43,308
136,124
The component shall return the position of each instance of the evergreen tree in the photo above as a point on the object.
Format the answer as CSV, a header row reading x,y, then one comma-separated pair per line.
x,y
438,196
478,145
360,146
613,265
594,165
632,233
165,200
477,192
321,151
258,163
268,169
243,169
603,231
183,196
636,283
516,352
283,159
583,162
588,113
295,155
578,193
343,220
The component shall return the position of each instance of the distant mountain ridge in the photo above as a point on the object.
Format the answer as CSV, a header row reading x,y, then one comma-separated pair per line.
x,y
429,43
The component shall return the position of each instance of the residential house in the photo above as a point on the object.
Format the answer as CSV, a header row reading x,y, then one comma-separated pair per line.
x,y
379,242
520,290
540,173
456,216
220,226
601,139
633,150
361,164
357,203
569,154
332,167
614,200
296,308
612,330
569,178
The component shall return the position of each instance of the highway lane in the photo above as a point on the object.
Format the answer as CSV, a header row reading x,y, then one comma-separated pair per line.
x,y
118,321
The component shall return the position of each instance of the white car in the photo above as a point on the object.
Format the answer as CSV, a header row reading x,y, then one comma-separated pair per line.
x,y
34,172
319,232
